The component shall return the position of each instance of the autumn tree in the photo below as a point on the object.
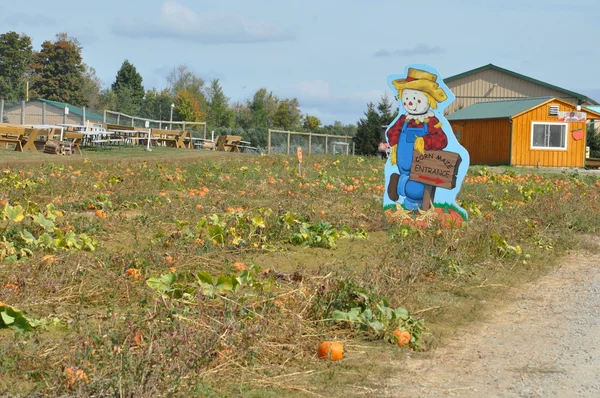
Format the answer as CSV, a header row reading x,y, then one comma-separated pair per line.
x,y
58,71
15,57
181,79
311,123
187,107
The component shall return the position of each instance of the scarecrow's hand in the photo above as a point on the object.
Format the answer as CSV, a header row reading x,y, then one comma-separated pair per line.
x,y
420,145
393,155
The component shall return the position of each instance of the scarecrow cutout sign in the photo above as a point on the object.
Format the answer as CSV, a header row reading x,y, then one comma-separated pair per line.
x,y
426,165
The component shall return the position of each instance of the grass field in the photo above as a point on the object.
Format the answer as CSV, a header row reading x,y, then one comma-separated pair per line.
x,y
182,273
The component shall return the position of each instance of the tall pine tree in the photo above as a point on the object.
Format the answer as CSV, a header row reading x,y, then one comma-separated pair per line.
x,y
129,89
219,113
368,132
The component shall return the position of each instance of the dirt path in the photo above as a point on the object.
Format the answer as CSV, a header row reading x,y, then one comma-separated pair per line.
x,y
544,343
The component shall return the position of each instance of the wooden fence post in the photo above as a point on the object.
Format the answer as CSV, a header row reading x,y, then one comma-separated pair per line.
x,y
269,142
288,142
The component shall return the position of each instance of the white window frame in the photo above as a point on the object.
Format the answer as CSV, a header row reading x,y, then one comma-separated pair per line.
x,y
544,148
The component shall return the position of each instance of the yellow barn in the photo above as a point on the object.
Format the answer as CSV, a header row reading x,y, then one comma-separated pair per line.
x,y
523,132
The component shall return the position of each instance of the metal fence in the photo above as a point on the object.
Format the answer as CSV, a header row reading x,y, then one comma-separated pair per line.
x,y
287,142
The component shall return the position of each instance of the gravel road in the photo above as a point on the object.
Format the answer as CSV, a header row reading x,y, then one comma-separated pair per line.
x,y
544,343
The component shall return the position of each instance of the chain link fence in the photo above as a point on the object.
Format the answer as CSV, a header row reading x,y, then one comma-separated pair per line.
x,y
287,142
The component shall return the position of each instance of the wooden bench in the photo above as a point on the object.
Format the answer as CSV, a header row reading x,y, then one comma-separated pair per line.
x,y
72,146
245,146
172,138
113,127
12,135
592,162
212,145
230,143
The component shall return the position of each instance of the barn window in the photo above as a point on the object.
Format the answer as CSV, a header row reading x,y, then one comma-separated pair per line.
x,y
549,136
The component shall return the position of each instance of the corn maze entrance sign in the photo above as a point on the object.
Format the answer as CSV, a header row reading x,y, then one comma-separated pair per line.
x,y
427,164
434,169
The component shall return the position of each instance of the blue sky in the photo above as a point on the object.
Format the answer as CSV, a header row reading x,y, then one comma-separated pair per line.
x,y
333,55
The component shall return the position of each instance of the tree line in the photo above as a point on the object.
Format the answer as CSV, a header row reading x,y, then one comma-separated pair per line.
x,y
57,72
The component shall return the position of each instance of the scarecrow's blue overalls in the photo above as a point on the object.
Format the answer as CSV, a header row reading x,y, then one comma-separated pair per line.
x,y
412,191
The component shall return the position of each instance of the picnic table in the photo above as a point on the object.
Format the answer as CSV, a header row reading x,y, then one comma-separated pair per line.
x,y
23,137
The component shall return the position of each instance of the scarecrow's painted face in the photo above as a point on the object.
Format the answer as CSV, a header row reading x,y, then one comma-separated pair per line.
x,y
415,102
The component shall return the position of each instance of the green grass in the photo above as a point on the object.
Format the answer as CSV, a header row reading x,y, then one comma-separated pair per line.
x,y
182,213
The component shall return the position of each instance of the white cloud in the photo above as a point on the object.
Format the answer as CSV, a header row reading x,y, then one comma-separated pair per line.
x,y
418,49
313,89
177,21
317,98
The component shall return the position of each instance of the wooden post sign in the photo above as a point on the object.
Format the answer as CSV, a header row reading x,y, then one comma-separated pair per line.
x,y
299,153
434,169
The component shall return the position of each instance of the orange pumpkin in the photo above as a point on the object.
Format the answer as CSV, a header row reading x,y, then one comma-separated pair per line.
x,y
333,350
101,214
403,337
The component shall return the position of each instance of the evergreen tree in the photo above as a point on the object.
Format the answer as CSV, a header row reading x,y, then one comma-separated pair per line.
x,y
15,57
58,71
129,89
368,132
384,108
219,114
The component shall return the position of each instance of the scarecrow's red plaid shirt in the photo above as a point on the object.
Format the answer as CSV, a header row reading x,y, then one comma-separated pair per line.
x,y
434,140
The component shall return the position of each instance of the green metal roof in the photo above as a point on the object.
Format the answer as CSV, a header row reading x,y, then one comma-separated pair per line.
x,y
497,109
580,97
594,108
74,109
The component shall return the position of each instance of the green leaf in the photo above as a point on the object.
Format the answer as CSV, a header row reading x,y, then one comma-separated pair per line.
x,y
46,241
202,224
401,313
71,241
7,319
28,238
204,277
162,284
13,213
13,318
216,233
225,283
44,222
258,222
